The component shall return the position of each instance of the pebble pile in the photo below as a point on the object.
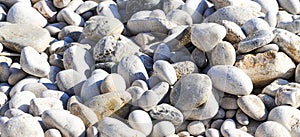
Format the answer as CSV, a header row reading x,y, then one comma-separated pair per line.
x,y
157,68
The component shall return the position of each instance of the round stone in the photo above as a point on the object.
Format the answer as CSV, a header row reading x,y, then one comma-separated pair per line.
x,y
222,54
113,82
271,128
141,121
253,107
163,128
196,128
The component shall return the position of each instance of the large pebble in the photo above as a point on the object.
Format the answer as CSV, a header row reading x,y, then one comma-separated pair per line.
x,y
179,17
226,54
141,121
167,112
230,79
68,124
79,59
108,103
18,86
253,107
35,88
70,81
109,26
288,42
39,105
72,18
205,36
165,71
265,67
131,68
19,127
112,127
32,62
22,13
292,6
18,36
114,48
163,128
271,128
21,100
56,94
233,13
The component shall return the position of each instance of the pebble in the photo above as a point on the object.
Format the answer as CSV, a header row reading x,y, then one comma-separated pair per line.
x,y
229,102
206,36
266,48
163,128
268,5
196,128
21,100
22,35
108,8
167,112
288,95
131,68
22,13
292,6
136,93
199,58
39,105
3,99
86,114
226,52
18,126
165,71
179,17
252,106
184,68
61,3
52,133
169,5
66,123
253,25
211,132
46,8
271,128
275,64
114,127
92,132
70,81
4,72
56,94
141,121
162,52
196,9
113,82
242,118
140,83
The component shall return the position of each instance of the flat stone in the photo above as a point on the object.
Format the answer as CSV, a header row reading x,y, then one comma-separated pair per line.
x,y
271,128
106,104
18,126
141,121
288,42
131,68
78,59
167,112
39,105
265,67
114,127
233,14
222,54
230,79
22,13
68,124
70,81
165,71
253,107
18,36
109,26
292,6
113,48
32,62
86,114
205,36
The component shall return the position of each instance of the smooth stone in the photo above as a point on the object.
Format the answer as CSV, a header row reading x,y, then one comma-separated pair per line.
x,y
61,3
136,93
140,83
179,37
286,116
70,81
165,71
253,25
196,9
22,13
287,42
206,36
73,99
221,114
32,62
145,39
13,112
271,18
3,119
196,87
268,5
86,114
141,121
21,100
131,68
184,68
268,100
230,113
45,8
167,112
92,131
241,117
108,8
269,66
55,28
211,132
18,36
48,83
72,31
78,59
92,86
106,104
252,106
18,126
114,127
179,17
72,18
199,57
168,5
56,94
5,88
256,40
163,128
39,105
18,86
288,95
230,79
148,100
234,33
196,128
217,124
292,6
53,73
225,54
4,71
225,3
35,88
113,82
229,102
113,48
271,128
68,124
52,133
109,26
86,6
162,52
233,14
297,73
266,48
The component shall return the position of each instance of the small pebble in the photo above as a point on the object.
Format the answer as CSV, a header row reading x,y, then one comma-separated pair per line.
x,y
163,128
196,128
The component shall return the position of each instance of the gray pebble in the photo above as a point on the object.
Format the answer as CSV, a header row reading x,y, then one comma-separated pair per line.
x,y
168,5
165,71
39,105
253,25
70,81
211,132
3,99
199,57
21,100
230,113
222,54
269,101
241,117
292,6
92,131
162,52
268,5
167,112
196,128
179,17
86,114
271,128
253,107
221,114
229,102
4,71
217,124
196,9
271,18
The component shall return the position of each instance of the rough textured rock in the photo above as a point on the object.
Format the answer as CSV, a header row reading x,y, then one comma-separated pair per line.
x,y
86,114
167,112
234,33
184,68
265,67
18,36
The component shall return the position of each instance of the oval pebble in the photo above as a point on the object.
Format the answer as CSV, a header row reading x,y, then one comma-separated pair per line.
x,y
163,128
271,128
167,112
141,121
253,107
